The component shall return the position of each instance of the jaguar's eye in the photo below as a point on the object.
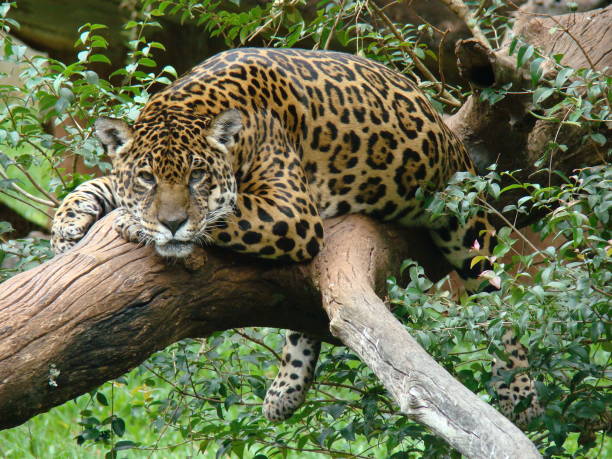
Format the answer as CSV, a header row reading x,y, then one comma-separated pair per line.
x,y
146,177
196,175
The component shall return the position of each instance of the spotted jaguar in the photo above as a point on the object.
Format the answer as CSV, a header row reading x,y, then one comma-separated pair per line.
x,y
252,148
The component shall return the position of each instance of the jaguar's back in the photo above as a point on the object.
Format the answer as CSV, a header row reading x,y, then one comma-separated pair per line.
x,y
365,136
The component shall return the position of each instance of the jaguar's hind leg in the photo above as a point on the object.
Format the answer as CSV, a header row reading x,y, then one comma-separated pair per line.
x,y
295,375
460,245
520,387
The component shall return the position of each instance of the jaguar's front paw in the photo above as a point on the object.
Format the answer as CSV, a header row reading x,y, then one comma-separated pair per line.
x,y
70,224
128,227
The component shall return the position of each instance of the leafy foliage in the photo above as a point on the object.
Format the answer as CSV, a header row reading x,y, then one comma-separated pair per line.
x,y
203,396
557,299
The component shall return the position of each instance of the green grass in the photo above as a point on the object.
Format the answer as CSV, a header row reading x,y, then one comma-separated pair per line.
x,y
53,434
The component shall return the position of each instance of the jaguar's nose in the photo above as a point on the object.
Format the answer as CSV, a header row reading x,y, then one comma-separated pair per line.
x,y
173,224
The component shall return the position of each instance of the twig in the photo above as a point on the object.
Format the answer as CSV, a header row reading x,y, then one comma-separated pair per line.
x,y
23,201
277,11
481,7
33,181
345,386
256,341
468,352
29,142
463,13
54,92
563,28
446,97
333,29
603,292
440,69
25,193
44,154
514,228
186,393
281,446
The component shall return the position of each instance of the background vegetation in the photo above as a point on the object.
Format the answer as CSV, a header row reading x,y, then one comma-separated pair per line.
x,y
204,396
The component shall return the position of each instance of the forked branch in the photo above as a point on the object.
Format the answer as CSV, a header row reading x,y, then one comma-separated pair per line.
x,y
93,313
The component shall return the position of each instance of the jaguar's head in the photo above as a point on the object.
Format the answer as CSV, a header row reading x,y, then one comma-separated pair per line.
x,y
173,174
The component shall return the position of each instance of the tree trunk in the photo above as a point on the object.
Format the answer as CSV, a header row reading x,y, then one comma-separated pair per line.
x,y
93,313
507,133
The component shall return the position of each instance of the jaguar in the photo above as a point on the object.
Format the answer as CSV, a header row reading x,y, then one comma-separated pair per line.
x,y
251,149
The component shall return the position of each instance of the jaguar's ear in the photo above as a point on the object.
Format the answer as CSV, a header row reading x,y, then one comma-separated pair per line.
x,y
113,134
223,128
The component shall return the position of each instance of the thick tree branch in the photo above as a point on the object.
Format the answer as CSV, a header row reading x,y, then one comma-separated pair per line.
x,y
102,308
423,389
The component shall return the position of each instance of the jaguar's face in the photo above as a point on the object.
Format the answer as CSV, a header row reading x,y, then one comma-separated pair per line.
x,y
176,180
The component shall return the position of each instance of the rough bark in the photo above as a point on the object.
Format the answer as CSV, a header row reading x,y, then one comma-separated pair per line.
x,y
506,133
100,309
423,390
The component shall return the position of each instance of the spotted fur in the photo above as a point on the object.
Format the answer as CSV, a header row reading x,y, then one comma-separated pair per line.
x,y
295,376
254,147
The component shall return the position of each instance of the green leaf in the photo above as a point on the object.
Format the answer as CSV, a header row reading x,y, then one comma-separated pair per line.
x,y
562,76
83,37
169,69
5,227
597,329
99,58
492,95
512,187
535,70
91,77
6,183
512,47
348,432
598,138
90,434
147,62
225,446
524,53
118,426
334,410
125,444
158,45
541,94
101,398
82,56
231,399
4,9
476,260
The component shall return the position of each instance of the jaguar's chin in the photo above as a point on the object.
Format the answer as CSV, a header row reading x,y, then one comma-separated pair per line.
x,y
174,249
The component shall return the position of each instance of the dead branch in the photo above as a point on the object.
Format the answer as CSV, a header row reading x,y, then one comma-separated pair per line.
x,y
91,314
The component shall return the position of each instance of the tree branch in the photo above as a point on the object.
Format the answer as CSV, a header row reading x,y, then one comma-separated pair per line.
x,y
100,309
